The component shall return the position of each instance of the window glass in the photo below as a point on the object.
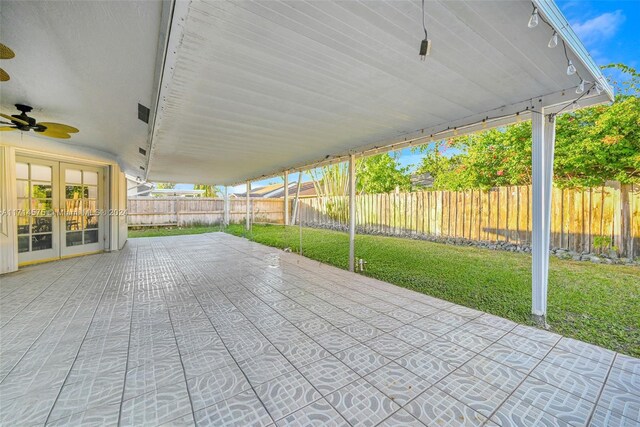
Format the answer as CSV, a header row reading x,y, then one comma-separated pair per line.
x,y
41,190
90,178
74,238
23,243
73,176
22,188
22,171
41,242
40,173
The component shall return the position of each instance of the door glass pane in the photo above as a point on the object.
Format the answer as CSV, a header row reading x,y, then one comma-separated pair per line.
x,y
74,238
23,244
41,241
42,224
92,192
22,171
90,178
73,176
90,236
22,188
23,225
73,192
42,206
41,190
40,173
73,223
23,206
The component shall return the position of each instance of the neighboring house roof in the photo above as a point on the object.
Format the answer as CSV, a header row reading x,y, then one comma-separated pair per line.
x,y
274,191
176,192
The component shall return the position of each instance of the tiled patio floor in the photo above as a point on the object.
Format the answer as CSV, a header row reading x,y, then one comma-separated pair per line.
x,y
215,330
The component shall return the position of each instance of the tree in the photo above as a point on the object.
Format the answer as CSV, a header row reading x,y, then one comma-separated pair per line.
x,y
593,145
382,173
209,190
165,185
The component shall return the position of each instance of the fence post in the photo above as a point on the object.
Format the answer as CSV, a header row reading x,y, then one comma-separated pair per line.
x,y
225,207
625,244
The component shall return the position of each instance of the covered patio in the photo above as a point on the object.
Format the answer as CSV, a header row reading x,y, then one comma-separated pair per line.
x,y
216,330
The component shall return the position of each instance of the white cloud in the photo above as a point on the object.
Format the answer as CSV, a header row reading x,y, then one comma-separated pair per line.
x,y
601,27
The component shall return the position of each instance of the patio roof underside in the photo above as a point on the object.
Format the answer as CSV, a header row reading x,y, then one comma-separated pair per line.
x,y
250,89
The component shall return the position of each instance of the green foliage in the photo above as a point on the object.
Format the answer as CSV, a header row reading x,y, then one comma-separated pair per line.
x,y
596,303
382,173
593,145
209,190
165,185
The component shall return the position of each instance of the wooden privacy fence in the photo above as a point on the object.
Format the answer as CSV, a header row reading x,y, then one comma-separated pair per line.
x,y
587,220
181,211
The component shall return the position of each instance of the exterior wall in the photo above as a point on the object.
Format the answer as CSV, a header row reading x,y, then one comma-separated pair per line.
x,y
8,201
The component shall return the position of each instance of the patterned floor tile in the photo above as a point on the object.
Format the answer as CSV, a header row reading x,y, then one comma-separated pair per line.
x,y
578,364
412,335
435,407
432,326
624,380
286,394
152,375
496,322
449,318
515,413
405,316
320,414
485,331
362,331
567,380
536,334
563,405
314,326
328,375
467,340
449,352
399,384
215,386
244,409
401,418
494,373
106,415
621,402
627,363
473,392
384,323
590,351
602,417
426,365
335,341
156,407
302,353
362,359
362,404
206,360
389,346
510,357
536,349
265,366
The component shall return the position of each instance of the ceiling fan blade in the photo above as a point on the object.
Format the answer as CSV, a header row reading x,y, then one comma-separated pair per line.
x,y
6,128
54,134
4,76
13,119
59,127
5,52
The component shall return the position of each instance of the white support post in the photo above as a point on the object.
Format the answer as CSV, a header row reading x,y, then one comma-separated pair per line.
x,y
248,218
225,215
352,212
296,206
543,136
286,197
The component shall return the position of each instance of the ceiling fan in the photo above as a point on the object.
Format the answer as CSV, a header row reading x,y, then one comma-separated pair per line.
x,y
22,122
5,53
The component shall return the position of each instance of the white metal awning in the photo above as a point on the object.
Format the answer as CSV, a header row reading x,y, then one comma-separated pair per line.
x,y
246,89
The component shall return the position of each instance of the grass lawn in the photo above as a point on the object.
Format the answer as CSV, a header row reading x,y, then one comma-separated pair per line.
x,y
171,231
596,303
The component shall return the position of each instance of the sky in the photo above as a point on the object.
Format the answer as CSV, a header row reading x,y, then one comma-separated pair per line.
x,y
609,29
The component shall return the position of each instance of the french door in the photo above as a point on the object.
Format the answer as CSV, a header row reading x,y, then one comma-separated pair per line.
x,y
60,208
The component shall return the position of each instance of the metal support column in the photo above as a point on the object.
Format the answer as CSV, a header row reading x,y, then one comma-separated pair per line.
x,y
352,211
248,219
543,136
225,215
286,197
